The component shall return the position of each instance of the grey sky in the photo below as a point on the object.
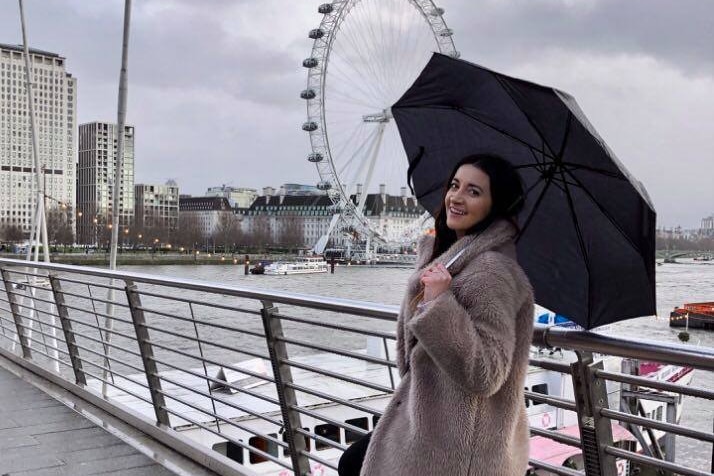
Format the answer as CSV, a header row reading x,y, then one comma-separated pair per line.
x,y
214,84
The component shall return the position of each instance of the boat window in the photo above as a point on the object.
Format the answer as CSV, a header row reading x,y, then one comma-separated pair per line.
x,y
231,450
540,388
351,436
528,401
329,431
263,445
375,419
286,450
658,413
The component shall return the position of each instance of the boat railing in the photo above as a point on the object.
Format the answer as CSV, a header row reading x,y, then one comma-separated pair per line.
x,y
261,372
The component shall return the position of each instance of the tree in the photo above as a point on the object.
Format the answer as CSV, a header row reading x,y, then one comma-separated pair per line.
x,y
59,227
12,233
260,235
189,231
291,232
227,232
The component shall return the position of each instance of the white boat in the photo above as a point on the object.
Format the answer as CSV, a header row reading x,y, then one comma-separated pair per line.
x,y
301,265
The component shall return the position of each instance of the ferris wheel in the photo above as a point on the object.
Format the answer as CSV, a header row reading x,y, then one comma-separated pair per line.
x,y
365,55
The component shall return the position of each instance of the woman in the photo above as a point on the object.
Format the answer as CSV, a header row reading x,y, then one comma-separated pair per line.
x,y
463,337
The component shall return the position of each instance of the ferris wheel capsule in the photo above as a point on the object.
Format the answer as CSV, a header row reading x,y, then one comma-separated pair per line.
x,y
437,12
324,185
316,34
315,157
446,32
309,62
325,8
309,126
308,94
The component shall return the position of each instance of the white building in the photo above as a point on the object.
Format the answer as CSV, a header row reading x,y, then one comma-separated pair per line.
x,y
238,197
392,216
95,180
278,218
157,206
282,216
208,212
55,97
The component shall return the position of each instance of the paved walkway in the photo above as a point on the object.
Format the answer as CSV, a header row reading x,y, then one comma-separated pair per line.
x,y
41,436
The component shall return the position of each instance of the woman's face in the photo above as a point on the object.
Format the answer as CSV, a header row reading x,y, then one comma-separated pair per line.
x,y
468,199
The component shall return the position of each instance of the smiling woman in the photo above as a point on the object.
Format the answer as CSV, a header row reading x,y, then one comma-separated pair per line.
x,y
463,336
468,199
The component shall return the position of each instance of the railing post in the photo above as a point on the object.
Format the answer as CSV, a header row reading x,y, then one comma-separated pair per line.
x,y
595,431
63,314
15,309
147,353
283,377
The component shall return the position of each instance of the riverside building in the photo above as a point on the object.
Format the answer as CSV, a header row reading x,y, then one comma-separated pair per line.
x,y
95,181
157,207
55,98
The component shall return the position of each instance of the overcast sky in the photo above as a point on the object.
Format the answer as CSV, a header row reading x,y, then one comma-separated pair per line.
x,y
214,84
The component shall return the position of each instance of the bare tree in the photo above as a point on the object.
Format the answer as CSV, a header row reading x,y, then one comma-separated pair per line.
x,y
260,235
189,231
227,232
59,228
12,233
291,232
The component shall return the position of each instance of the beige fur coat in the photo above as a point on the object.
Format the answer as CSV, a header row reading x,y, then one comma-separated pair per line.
x,y
459,409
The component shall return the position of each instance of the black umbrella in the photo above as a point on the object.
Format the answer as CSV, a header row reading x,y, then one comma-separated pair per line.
x,y
587,237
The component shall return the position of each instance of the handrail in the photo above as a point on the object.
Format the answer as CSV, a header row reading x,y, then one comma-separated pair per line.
x,y
270,394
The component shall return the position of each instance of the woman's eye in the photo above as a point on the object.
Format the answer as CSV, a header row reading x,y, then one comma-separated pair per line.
x,y
453,185
473,192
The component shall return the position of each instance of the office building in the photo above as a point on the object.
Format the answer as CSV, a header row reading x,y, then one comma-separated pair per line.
x,y
55,98
157,208
95,181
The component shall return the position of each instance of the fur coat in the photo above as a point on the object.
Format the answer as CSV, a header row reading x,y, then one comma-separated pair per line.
x,y
459,409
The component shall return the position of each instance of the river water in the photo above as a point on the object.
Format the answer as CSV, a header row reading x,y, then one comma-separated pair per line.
x,y
687,281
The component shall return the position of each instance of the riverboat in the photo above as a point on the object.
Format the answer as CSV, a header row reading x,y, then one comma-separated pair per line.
x,y
301,265
697,315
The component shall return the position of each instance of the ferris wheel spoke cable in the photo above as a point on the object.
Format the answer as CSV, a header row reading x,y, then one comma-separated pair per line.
x,y
363,149
359,131
369,73
374,57
363,83
346,79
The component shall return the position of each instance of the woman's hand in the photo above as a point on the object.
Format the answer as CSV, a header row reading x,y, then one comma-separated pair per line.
x,y
435,279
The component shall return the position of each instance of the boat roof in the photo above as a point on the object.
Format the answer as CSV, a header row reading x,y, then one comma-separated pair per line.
x,y
555,453
373,373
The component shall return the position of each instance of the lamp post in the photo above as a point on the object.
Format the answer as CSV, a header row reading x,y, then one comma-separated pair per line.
x,y
96,232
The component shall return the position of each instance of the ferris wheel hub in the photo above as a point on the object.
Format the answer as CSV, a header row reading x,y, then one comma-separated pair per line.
x,y
384,116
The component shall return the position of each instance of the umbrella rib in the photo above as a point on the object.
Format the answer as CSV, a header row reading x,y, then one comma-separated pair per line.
x,y
573,165
549,180
605,212
530,121
579,234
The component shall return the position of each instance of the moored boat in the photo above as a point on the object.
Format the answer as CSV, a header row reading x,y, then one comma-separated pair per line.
x,y
301,265
697,315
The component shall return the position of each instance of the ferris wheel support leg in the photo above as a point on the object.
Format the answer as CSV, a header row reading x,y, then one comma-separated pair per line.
x,y
372,161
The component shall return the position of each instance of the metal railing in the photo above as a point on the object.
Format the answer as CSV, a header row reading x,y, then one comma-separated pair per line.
x,y
249,381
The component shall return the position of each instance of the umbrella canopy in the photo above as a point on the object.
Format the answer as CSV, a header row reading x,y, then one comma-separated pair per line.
x,y
587,238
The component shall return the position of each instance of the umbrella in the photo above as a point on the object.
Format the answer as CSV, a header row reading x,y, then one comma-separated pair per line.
x,y
587,238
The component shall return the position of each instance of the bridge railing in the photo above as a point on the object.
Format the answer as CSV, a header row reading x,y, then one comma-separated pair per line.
x,y
250,381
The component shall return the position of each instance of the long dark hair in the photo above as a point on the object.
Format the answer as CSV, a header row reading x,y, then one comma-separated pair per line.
x,y
507,198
